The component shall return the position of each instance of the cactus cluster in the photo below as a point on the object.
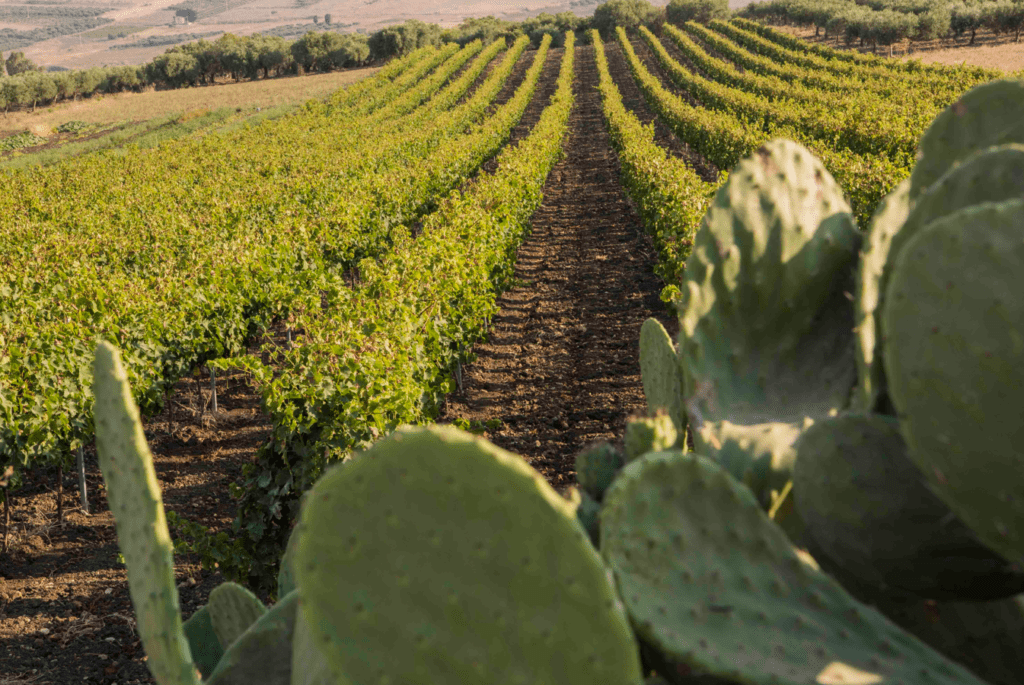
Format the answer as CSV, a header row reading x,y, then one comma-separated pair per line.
x,y
854,405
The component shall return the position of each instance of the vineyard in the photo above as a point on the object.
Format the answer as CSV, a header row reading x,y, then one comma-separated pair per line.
x,y
475,235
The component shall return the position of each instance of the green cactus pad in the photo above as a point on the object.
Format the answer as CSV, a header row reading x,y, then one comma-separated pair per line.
x,y
203,642
596,467
889,217
718,589
309,665
134,498
649,434
985,637
661,373
862,499
760,456
462,554
588,513
990,175
766,316
990,114
954,357
232,610
263,653
286,575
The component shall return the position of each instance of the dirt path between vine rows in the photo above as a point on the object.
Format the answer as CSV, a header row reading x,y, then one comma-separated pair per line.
x,y
561,366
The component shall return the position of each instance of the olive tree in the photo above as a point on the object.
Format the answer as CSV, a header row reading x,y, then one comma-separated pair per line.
x,y
701,11
629,14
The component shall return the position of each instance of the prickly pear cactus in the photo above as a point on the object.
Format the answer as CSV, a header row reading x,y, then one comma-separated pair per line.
x,y
766,323
985,637
888,219
661,373
232,610
954,357
990,175
202,642
588,512
263,653
862,498
462,553
286,575
990,114
596,467
309,665
760,456
717,588
650,434
134,498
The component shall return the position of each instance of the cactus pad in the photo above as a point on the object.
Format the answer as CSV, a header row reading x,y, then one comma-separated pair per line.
x,y
662,375
649,434
862,499
990,114
588,513
263,653
232,610
286,574
711,582
203,642
889,217
134,498
954,357
766,318
309,665
761,456
465,556
596,467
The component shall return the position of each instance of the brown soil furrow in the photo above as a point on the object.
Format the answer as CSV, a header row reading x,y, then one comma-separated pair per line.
x,y
561,366
65,578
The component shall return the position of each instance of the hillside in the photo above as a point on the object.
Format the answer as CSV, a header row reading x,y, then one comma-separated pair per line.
x,y
133,32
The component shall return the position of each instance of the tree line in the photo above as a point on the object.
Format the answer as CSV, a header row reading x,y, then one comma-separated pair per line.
x,y
886,22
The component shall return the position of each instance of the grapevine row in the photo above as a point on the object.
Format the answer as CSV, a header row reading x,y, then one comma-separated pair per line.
x,y
723,139
879,133
939,82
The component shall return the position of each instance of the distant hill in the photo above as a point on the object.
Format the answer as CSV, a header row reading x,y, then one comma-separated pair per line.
x,y
84,33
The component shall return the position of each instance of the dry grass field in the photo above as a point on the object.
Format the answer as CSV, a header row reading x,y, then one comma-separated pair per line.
x,y
989,50
113,109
